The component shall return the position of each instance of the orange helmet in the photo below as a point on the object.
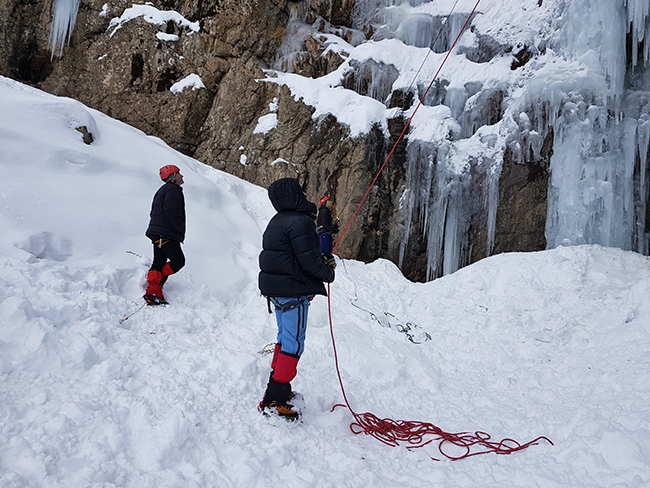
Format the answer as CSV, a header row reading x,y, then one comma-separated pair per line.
x,y
322,201
168,170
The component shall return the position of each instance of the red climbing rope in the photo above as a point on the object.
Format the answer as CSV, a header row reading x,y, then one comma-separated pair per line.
x,y
394,432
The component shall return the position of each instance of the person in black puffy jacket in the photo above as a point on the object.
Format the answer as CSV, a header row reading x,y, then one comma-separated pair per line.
x,y
166,231
292,271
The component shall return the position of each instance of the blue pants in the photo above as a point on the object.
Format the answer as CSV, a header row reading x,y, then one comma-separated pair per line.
x,y
292,324
326,243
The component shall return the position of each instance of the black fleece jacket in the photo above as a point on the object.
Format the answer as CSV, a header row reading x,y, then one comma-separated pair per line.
x,y
291,262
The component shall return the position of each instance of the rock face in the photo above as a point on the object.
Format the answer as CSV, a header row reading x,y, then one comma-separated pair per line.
x,y
127,72
521,216
127,69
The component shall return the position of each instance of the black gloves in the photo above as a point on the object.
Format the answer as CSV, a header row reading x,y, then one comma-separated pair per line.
x,y
330,261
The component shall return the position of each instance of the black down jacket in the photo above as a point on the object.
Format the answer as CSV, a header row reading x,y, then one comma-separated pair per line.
x,y
291,263
167,217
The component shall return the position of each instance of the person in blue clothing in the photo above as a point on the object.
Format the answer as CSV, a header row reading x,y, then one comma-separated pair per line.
x,y
292,272
326,227
166,231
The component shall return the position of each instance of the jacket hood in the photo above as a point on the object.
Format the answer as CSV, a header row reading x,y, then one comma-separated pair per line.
x,y
286,194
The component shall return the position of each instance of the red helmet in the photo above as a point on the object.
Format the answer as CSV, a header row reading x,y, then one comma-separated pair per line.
x,y
168,170
322,201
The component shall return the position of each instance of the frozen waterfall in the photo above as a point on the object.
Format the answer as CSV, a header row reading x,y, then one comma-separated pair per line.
x,y
598,190
567,74
600,120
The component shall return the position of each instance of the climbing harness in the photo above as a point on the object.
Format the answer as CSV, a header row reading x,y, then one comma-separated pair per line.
x,y
395,432
409,329
285,307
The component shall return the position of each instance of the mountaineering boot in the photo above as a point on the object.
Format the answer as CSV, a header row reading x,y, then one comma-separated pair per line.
x,y
278,390
276,400
154,300
293,397
282,409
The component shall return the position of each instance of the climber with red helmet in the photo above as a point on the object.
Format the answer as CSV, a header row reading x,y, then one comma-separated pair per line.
x,y
326,227
166,231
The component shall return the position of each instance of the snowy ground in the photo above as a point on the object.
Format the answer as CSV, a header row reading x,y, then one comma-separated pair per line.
x,y
553,343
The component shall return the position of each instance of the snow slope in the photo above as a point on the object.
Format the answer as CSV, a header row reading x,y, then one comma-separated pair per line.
x,y
553,343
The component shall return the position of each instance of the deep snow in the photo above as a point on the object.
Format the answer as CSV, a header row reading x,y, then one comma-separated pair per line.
x,y
552,343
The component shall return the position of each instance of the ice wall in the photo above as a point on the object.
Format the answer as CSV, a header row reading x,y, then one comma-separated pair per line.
x,y
598,190
598,108
64,17
452,177
449,187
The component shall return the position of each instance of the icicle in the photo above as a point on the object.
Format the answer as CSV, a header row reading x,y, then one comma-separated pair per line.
x,y
492,197
643,141
414,204
419,30
436,225
453,230
447,217
64,17
638,12
374,79
455,99
456,22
